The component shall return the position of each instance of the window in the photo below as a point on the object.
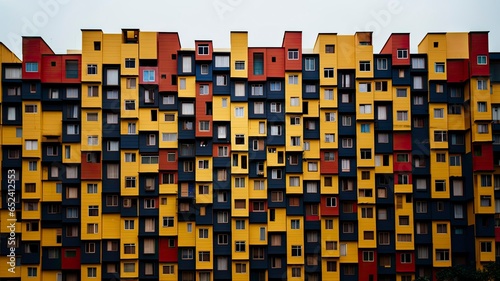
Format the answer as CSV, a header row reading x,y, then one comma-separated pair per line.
x,y
148,76
441,157
296,272
91,69
295,224
203,49
276,107
275,86
296,251
31,108
365,128
440,185
293,79
418,63
482,60
294,101
328,94
187,254
402,53
32,272
328,72
31,67
240,204
440,136
295,141
486,180
330,49
241,267
482,128
221,61
366,153
442,228
293,54
439,67
168,221
485,200
129,182
310,64
329,138
365,109
368,256
240,246
13,73
346,121
402,115
404,220
405,258
486,247
239,112
381,86
401,93
367,212
239,65
481,106
442,255
382,112
364,66
53,94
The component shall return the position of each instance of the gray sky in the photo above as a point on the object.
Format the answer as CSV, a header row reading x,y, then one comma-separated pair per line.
x,y
59,21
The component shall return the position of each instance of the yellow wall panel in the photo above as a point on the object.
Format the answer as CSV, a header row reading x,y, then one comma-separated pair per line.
x,y
111,49
147,45
129,51
112,224
90,55
457,45
9,136
239,52
221,109
280,222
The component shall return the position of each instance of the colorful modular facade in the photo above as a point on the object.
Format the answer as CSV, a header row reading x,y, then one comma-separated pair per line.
x,y
137,159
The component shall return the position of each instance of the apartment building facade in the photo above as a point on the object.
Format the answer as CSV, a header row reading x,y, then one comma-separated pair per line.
x,y
137,159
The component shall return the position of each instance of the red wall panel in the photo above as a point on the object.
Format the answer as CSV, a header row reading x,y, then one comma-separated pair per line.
x,y
497,234
251,76
293,40
166,165
201,113
328,211
478,45
215,150
90,171
274,63
71,263
33,49
203,57
458,71
396,181
51,69
485,161
168,45
405,267
167,253
367,268
141,75
329,167
402,141
395,42
402,166
265,205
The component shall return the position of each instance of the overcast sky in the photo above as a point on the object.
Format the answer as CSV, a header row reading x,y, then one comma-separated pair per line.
x,y
59,21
